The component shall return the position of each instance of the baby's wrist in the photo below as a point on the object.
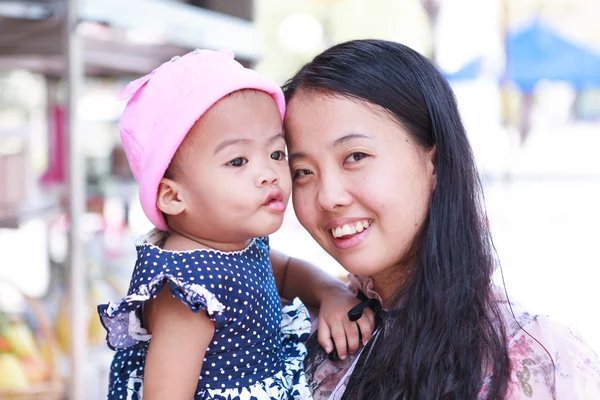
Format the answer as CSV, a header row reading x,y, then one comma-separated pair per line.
x,y
332,289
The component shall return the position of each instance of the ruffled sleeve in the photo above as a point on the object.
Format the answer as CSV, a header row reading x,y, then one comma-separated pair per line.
x,y
363,284
189,278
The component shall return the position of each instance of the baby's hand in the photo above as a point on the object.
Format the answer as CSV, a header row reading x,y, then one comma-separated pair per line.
x,y
336,328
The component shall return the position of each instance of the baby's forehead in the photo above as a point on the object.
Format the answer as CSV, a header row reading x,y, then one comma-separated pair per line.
x,y
246,93
240,100
244,114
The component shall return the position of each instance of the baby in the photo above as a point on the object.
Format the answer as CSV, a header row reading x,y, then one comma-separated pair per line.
x,y
202,318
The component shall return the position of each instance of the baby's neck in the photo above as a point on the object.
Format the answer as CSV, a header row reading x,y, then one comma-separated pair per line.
x,y
184,242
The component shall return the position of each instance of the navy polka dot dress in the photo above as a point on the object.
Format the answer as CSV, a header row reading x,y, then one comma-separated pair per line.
x,y
257,350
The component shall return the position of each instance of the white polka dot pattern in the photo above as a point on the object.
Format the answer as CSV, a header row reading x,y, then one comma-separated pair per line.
x,y
238,292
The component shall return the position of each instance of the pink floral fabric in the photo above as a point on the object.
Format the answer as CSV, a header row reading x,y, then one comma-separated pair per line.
x,y
572,373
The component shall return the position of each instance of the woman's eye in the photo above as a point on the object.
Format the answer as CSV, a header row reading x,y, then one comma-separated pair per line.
x,y
354,157
237,162
278,155
299,173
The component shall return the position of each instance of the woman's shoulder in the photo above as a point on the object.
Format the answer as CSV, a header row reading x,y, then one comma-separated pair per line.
x,y
548,358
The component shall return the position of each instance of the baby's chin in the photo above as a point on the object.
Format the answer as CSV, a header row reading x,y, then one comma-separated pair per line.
x,y
266,226
266,230
253,231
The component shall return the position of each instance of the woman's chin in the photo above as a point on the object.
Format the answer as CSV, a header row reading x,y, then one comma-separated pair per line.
x,y
356,264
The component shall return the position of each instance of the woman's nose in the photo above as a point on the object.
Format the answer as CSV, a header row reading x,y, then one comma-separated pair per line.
x,y
332,194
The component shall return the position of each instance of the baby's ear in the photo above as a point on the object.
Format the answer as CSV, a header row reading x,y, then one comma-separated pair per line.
x,y
169,198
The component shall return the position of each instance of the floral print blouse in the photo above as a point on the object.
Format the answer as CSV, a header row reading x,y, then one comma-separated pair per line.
x,y
574,375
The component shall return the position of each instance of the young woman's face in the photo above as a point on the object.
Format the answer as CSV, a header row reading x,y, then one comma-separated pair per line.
x,y
361,185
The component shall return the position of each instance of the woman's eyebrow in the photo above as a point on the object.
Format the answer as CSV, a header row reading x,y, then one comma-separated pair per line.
x,y
350,137
338,142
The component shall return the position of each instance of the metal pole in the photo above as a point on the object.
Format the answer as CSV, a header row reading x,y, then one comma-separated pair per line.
x,y
74,79
505,30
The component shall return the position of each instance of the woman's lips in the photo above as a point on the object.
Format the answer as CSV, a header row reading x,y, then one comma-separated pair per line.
x,y
351,233
350,228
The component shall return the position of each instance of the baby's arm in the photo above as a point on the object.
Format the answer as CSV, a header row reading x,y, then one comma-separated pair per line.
x,y
317,288
179,341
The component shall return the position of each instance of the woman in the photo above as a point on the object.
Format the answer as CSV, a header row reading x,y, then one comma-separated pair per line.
x,y
385,181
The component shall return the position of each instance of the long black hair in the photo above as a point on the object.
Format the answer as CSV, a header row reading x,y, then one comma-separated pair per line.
x,y
445,333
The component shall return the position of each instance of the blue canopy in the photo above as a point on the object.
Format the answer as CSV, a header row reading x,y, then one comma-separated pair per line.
x,y
469,71
537,52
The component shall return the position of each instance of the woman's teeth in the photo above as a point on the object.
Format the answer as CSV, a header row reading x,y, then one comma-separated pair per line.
x,y
346,230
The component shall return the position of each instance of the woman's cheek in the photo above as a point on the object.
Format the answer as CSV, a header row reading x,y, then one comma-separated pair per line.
x,y
301,206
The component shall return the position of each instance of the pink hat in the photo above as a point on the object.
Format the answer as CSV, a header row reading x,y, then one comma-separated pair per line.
x,y
165,105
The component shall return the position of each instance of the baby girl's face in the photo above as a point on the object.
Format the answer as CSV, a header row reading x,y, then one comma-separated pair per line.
x,y
234,170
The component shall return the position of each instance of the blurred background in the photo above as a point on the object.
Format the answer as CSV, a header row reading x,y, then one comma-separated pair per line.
x,y
526,74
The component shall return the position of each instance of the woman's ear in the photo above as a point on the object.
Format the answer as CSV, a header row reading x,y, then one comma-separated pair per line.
x,y
431,160
170,198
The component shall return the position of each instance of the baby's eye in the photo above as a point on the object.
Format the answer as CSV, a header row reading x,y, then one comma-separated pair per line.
x,y
278,155
354,157
237,162
301,173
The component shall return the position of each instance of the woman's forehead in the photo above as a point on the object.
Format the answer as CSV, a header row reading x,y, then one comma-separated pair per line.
x,y
319,112
314,117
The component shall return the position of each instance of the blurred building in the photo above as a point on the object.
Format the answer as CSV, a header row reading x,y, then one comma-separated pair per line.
x,y
120,40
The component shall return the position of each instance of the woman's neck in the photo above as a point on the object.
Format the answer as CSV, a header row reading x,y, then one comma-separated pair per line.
x,y
387,284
